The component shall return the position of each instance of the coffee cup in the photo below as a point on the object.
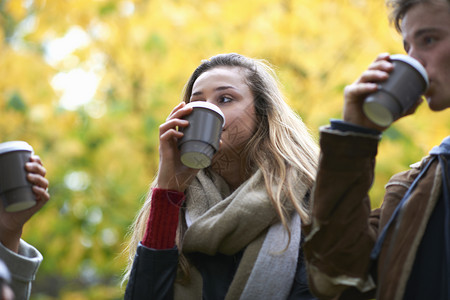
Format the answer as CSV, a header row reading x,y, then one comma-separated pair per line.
x,y
395,96
202,136
15,189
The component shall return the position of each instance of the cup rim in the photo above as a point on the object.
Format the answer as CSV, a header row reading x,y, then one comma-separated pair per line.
x,y
204,104
15,146
413,62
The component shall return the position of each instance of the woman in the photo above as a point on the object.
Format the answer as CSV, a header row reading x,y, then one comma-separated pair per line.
x,y
231,230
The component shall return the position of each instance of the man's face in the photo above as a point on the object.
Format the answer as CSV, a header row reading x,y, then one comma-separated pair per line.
x,y
426,36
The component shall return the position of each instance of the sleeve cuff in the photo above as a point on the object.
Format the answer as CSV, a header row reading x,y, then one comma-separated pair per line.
x,y
24,265
175,197
341,125
162,223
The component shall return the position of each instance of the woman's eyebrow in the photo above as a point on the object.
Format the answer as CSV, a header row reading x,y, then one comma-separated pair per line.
x,y
220,88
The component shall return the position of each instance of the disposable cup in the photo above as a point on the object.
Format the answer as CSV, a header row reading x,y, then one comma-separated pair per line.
x,y
15,190
202,136
395,96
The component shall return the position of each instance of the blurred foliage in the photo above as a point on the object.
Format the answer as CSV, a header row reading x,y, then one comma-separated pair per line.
x,y
88,82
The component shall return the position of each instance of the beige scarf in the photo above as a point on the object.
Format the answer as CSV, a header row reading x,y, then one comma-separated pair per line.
x,y
220,222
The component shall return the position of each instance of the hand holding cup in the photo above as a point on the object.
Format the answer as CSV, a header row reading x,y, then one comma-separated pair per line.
x,y
399,93
369,84
23,190
172,174
201,138
178,164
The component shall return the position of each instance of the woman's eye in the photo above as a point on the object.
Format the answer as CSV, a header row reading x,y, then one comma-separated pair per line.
x,y
225,99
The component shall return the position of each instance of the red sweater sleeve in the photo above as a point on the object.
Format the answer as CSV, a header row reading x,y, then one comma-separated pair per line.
x,y
163,221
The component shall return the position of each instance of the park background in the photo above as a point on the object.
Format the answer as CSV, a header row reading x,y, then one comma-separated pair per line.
x,y
87,83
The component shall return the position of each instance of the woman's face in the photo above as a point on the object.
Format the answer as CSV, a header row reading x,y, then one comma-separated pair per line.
x,y
226,88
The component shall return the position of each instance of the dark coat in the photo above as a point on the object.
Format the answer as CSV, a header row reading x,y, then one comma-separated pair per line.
x,y
345,229
154,271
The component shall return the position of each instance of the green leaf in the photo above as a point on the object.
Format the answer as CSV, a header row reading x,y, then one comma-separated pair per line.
x,y
17,103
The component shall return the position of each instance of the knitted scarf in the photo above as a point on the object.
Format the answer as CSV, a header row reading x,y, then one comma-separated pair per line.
x,y
223,222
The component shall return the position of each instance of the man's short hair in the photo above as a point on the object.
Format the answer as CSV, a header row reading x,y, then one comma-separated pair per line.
x,y
398,9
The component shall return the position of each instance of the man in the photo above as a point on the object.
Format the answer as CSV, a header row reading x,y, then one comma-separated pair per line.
x,y
401,250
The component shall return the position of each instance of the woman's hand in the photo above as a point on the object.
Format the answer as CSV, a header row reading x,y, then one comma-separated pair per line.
x,y
11,223
367,83
173,175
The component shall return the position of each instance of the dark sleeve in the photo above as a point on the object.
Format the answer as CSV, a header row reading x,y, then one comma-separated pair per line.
x,y
300,288
343,229
153,274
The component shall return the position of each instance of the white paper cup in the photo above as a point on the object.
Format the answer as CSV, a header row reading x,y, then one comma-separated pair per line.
x,y
15,190
202,136
406,83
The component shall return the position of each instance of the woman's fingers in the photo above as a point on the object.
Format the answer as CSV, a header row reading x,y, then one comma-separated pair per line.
x,y
36,172
168,130
36,168
179,111
36,176
41,193
171,135
172,124
40,186
37,180
175,109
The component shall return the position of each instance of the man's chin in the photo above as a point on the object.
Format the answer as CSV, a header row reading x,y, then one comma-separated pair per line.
x,y
436,105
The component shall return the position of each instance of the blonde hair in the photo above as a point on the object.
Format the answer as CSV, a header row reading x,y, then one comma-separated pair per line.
x,y
289,148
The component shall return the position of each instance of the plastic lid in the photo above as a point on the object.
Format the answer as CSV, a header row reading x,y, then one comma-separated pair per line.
x,y
413,62
208,105
15,146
